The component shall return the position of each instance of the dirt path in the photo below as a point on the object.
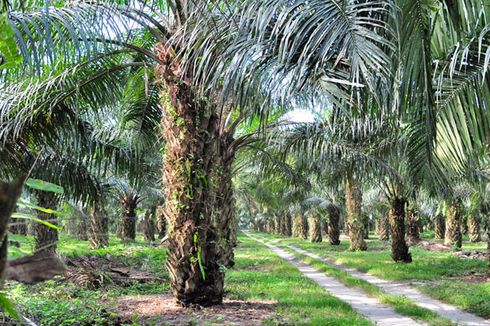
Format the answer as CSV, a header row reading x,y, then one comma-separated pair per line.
x,y
370,308
445,310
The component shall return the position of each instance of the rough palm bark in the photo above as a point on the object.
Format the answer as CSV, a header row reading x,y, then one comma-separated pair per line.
x,y
129,202
383,227
282,223
333,225
225,222
148,227
278,224
315,225
453,236
353,200
46,237
289,225
9,193
99,226
161,221
269,226
346,227
325,225
399,248
300,226
365,224
464,225
474,228
413,234
82,227
286,224
191,129
439,227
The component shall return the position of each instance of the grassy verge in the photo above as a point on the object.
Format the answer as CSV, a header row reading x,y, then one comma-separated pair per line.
x,y
473,297
401,305
260,274
63,303
426,266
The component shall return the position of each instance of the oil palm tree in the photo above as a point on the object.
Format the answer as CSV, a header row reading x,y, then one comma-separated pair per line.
x,y
336,56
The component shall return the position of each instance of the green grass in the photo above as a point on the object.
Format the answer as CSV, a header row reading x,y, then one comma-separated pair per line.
x,y
400,304
261,274
62,303
474,297
426,266
258,274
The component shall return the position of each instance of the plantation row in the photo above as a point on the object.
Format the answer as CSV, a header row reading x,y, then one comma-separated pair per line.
x,y
202,116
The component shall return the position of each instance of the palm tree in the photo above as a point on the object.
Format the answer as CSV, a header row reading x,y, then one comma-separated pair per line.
x,y
336,56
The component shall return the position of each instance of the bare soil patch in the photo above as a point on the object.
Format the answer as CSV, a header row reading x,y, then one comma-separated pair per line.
x,y
163,310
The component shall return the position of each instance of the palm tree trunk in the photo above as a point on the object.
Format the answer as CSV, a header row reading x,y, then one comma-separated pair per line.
x,y
439,227
191,131
161,221
46,237
333,225
286,224
353,200
474,228
399,248
99,226
300,226
464,225
315,224
365,222
413,233
453,235
224,219
82,227
9,193
148,227
128,218
289,225
346,227
282,223
325,226
382,226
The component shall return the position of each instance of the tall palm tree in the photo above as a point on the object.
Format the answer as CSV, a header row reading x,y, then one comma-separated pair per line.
x,y
203,57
